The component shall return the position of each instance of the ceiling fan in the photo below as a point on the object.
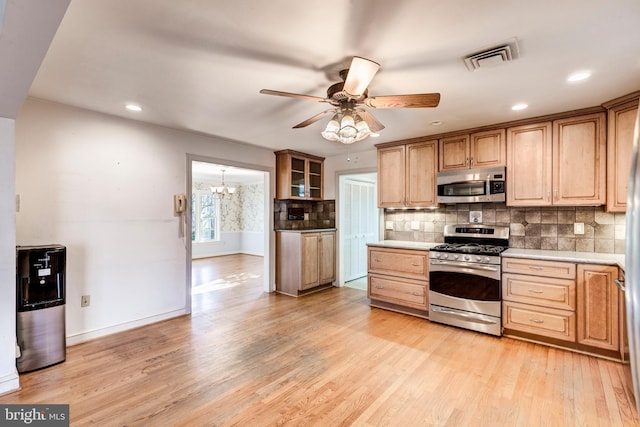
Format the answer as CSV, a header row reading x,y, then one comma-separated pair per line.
x,y
350,121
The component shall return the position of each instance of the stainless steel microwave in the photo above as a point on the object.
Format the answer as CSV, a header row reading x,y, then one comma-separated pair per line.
x,y
472,185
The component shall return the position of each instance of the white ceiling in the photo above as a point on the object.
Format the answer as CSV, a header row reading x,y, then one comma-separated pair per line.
x,y
199,64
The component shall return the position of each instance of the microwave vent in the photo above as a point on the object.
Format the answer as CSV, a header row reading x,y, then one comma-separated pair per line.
x,y
496,55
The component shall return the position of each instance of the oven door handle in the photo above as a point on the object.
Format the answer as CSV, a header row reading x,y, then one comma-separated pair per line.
x,y
466,265
465,316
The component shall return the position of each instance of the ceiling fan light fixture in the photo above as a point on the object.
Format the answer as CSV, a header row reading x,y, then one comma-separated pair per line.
x,y
346,127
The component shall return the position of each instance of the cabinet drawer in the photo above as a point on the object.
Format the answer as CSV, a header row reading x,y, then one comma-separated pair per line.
x,y
560,270
409,293
544,291
398,262
548,322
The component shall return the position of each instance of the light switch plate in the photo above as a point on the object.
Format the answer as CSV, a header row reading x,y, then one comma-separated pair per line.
x,y
578,228
388,225
415,225
475,217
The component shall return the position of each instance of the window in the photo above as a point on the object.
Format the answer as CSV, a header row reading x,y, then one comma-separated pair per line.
x,y
205,211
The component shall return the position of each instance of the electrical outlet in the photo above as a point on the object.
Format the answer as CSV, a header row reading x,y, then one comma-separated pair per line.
x,y
475,217
388,225
578,228
415,225
85,301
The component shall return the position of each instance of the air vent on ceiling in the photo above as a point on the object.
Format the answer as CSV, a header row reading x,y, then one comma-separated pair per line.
x,y
496,55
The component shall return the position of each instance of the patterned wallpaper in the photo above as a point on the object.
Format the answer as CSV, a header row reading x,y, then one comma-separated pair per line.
x,y
550,228
242,210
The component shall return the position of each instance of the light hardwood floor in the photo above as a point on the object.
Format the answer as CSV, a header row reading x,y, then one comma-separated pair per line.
x,y
248,358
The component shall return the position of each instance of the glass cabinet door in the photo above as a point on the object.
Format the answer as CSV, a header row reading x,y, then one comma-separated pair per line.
x,y
297,177
315,179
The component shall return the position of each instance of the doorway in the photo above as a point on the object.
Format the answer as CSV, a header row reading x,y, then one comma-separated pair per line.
x,y
228,218
359,218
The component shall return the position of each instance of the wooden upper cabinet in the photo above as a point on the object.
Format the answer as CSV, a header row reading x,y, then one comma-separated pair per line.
x,y
407,175
477,150
299,176
620,126
488,148
454,153
579,160
391,177
557,163
420,174
529,165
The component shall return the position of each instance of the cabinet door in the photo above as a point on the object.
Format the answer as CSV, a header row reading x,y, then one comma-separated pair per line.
x,y
488,149
297,177
579,160
598,306
529,165
620,128
391,177
454,153
327,257
421,169
314,179
310,267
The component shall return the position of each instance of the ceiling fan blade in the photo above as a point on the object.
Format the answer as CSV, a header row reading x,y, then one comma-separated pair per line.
x,y
315,119
361,72
372,122
292,95
422,100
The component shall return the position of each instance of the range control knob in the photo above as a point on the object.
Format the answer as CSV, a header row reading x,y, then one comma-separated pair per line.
x,y
436,254
487,259
445,256
478,258
456,256
467,258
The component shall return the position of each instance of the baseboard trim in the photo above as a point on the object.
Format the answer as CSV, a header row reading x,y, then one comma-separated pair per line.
x,y
97,333
10,383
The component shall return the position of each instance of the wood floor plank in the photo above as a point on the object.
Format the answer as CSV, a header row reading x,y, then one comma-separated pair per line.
x,y
247,358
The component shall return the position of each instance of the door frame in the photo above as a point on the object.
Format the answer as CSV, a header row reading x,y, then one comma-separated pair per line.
x,y
340,208
269,275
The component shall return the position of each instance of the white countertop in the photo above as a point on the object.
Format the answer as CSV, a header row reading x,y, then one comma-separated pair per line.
x,y
568,256
403,244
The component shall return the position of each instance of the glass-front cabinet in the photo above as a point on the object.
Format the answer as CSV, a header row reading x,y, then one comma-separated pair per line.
x,y
298,175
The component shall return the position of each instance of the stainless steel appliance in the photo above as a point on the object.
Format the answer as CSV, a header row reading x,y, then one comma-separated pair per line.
x,y
40,293
472,186
464,277
632,263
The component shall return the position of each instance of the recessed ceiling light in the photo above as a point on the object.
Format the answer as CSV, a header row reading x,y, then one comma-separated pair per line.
x,y
374,135
436,123
133,107
518,107
579,76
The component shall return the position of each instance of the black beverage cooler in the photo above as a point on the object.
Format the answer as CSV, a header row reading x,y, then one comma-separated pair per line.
x,y
40,294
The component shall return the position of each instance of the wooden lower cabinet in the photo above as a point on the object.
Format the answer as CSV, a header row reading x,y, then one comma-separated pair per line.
x,y
305,261
398,280
576,306
598,307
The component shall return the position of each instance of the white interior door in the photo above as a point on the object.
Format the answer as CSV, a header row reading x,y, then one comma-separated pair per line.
x,y
360,226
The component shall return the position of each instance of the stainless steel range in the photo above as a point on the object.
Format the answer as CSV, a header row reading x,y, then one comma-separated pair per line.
x,y
464,277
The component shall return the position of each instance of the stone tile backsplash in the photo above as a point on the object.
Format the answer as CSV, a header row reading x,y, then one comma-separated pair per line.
x,y
318,214
550,228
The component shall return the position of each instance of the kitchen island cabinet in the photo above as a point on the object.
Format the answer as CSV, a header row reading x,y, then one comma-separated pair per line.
x,y
305,261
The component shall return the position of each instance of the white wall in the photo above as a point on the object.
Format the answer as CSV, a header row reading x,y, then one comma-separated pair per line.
x,y
8,373
363,161
103,186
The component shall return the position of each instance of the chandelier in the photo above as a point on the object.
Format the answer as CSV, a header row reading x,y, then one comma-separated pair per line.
x,y
347,127
222,190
